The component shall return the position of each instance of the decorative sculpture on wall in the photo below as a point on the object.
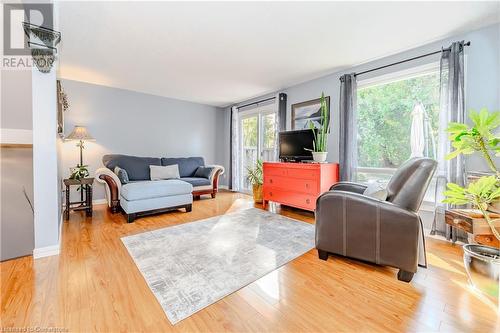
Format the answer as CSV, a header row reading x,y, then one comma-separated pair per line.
x,y
42,42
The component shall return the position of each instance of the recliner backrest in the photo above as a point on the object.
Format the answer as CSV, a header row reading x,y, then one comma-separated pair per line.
x,y
409,183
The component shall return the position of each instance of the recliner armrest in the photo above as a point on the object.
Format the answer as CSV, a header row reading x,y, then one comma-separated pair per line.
x,y
349,187
337,196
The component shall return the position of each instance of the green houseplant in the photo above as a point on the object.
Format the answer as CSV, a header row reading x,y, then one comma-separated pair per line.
x,y
320,143
255,177
482,263
79,172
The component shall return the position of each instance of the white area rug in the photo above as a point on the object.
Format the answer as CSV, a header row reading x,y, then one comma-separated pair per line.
x,y
193,265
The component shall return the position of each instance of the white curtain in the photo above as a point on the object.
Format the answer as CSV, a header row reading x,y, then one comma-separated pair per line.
x,y
235,149
452,105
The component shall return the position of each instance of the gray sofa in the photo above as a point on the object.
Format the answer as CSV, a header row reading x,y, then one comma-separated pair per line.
x,y
141,196
388,232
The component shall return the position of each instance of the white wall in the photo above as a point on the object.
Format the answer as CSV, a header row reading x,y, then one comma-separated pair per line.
x,y
45,164
127,122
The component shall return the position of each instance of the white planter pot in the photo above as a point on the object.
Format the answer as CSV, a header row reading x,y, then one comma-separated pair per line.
x,y
319,156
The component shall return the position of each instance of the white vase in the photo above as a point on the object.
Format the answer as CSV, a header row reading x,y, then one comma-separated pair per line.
x,y
319,156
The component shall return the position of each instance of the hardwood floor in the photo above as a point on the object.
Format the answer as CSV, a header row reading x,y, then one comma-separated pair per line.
x,y
93,285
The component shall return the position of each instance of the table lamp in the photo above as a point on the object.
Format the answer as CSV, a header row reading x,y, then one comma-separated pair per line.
x,y
81,134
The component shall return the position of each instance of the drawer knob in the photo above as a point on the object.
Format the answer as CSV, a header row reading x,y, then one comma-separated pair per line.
x,y
270,181
308,201
271,194
456,221
307,185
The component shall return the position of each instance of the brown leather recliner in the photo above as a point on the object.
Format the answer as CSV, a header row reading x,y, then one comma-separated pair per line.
x,y
389,232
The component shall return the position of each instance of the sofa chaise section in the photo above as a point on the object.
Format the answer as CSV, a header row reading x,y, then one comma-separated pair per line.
x,y
147,197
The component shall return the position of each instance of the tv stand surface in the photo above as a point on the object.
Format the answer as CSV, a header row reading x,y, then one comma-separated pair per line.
x,y
298,184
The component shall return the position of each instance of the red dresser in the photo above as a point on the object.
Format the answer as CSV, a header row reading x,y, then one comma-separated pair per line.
x,y
298,184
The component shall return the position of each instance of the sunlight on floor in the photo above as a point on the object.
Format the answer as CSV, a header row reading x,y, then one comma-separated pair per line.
x,y
464,305
440,263
270,285
239,204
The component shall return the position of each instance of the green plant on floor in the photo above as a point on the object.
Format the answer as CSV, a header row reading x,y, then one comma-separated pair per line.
x,y
468,140
254,176
320,143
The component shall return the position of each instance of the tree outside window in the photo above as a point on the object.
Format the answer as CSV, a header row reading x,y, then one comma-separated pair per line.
x,y
384,122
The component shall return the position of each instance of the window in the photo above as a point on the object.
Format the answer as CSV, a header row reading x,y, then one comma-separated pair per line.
x,y
398,118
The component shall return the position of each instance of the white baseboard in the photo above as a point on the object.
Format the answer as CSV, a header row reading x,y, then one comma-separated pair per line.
x,y
224,187
53,250
47,251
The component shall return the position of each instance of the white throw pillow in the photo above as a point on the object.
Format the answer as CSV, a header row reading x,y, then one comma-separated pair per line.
x,y
376,191
164,172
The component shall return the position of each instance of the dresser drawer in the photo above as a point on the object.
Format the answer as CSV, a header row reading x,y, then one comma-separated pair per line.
x,y
295,199
272,171
305,173
309,186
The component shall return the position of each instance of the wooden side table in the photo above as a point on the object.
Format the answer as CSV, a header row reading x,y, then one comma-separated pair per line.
x,y
473,222
85,203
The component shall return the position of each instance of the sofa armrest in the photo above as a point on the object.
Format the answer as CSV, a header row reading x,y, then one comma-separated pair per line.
x,y
112,186
215,174
349,187
366,228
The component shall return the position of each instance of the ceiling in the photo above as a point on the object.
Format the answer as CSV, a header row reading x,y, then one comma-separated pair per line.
x,y
220,53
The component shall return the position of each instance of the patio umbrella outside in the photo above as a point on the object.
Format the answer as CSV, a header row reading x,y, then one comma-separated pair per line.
x,y
417,138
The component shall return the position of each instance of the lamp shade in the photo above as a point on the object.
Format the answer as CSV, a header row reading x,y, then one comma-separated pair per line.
x,y
80,133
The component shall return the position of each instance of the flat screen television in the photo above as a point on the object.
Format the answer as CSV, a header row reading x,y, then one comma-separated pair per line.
x,y
292,144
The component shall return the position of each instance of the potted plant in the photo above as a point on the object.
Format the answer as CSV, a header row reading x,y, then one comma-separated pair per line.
x,y
482,263
255,178
320,142
79,172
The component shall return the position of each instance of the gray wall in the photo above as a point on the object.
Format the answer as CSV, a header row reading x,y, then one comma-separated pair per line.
x,y
16,218
133,123
16,215
16,104
482,81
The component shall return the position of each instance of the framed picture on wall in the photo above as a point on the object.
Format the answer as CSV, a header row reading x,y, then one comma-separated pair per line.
x,y
309,111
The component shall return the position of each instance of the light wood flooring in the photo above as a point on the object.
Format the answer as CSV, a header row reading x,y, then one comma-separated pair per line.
x,y
94,286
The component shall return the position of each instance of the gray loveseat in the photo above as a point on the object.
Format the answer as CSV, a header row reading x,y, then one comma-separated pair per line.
x,y
140,195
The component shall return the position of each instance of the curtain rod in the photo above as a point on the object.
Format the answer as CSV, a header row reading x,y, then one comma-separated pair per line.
x,y
261,101
406,60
